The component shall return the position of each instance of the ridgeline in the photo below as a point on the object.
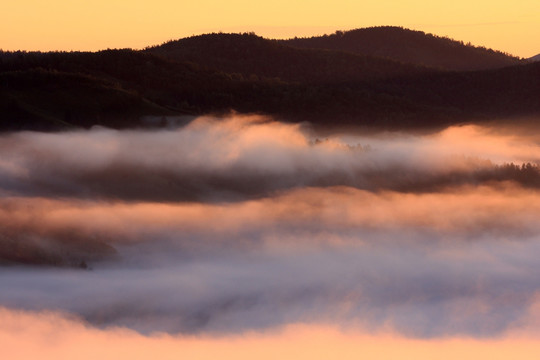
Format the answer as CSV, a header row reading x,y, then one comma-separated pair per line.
x,y
385,77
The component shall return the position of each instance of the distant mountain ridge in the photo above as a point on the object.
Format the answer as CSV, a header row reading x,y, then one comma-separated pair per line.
x,y
409,46
249,54
219,73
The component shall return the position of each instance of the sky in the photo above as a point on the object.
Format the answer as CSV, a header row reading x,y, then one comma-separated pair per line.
x,y
512,27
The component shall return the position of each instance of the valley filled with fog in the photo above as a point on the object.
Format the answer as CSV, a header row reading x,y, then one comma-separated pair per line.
x,y
245,224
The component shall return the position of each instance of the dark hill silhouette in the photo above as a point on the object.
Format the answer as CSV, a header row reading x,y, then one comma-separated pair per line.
x,y
534,58
248,54
409,46
117,88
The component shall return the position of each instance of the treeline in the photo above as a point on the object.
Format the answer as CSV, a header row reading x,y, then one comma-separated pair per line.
x,y
526,174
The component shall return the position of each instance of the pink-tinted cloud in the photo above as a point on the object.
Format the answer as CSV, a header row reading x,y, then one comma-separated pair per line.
x,y
50,335
249,157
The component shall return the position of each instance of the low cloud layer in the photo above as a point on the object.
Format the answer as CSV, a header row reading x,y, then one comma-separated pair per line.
x,y
248,157
244,224
481,290
470,213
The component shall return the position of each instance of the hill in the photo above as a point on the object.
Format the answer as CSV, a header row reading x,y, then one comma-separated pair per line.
x,y
217,73
409,46
534,58
253,56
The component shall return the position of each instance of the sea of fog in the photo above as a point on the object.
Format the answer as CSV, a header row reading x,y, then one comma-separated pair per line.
x,y
242,224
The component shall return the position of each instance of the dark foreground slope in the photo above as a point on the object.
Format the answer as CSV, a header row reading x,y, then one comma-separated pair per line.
x,y
42,99
217,73
409,46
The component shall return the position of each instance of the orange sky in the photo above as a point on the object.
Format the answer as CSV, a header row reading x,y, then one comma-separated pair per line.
x,y
513,26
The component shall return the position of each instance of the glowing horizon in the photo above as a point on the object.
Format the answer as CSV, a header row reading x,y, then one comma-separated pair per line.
x,y
64,25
